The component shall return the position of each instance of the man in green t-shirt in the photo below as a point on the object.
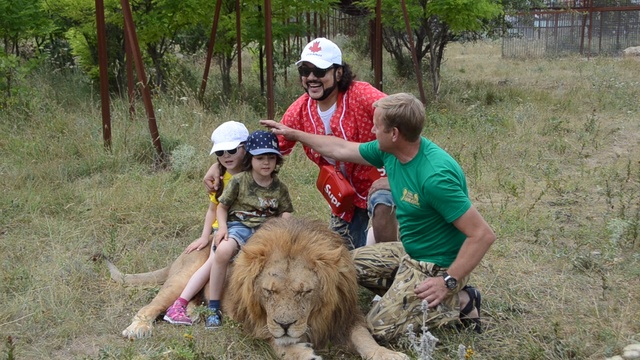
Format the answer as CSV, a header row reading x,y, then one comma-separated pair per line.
x,y
443,236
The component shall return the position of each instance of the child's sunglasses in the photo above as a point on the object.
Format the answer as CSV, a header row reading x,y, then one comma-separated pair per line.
x,y
230,152
317,72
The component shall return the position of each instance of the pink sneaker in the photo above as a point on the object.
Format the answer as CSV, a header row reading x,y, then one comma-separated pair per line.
x,y
177,314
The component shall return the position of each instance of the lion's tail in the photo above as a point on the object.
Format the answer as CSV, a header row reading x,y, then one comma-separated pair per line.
x,y
156,277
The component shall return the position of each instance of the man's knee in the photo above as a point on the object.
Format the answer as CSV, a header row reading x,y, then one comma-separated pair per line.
x,y
383,212
384,224
383,216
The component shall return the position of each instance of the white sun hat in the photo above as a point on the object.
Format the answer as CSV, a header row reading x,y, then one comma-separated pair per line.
x,y
228,136
322,53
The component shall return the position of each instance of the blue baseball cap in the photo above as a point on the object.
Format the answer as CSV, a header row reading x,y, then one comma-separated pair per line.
x,y
262,142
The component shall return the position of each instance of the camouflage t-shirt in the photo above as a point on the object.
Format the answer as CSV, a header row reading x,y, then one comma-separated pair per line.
x,y
253,204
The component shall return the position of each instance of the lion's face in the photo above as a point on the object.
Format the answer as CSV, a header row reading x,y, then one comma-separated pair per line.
x,y
289,294
294,282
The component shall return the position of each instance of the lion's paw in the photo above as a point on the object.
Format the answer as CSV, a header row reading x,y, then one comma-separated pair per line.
x,y
386,354
299,351
138,329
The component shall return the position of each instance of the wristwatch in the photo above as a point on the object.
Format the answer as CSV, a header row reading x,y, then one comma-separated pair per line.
x,y
450,281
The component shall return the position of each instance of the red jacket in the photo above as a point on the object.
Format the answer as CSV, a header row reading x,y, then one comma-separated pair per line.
x,y
352,121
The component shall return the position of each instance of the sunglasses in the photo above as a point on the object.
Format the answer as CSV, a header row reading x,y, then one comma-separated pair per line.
x,y
219,153
317,72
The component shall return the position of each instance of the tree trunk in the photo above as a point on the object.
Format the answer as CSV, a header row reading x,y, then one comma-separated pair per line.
x,y
157,59
437,33
226,63
9,71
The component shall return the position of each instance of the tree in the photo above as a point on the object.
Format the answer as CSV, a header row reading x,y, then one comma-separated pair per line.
x,y
160,23
435,23
20,21
253,30
76,20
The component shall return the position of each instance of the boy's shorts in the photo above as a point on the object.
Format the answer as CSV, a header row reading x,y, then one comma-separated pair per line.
x,y
239,232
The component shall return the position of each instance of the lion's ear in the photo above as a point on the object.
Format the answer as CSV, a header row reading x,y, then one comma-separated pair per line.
x,y
336,262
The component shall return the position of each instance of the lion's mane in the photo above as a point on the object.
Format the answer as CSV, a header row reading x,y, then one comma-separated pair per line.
x,y
322,251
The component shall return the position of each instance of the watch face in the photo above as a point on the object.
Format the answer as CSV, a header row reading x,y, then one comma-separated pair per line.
x,y
451,283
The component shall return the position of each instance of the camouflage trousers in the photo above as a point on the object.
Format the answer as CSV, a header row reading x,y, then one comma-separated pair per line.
x,y
388,271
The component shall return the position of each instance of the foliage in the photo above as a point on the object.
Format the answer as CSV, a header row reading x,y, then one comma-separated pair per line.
x,y
464,15
253,31
21,20
169,28
158,23
76,22
13,71
434,24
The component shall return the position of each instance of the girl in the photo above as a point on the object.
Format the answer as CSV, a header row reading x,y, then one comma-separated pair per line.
x,y
249,199
228,145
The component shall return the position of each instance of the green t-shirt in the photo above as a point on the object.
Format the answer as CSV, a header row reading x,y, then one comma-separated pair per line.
x,y
253,204
430,192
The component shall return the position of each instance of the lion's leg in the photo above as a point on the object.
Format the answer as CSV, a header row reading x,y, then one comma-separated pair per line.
x,y
295,351
179,275
368,348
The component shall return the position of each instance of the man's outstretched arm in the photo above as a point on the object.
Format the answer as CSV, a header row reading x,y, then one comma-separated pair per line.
x,y
330,146
212,178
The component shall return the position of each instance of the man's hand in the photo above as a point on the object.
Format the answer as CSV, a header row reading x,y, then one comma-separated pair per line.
x,y
212,178
279,129
433,290
330,146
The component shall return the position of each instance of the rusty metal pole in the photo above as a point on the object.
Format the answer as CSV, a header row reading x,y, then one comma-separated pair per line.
x,y
414,56
239,42
104,75
377,61
142,79
269,51
212,42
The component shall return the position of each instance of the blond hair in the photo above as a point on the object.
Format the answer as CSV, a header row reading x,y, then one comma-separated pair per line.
x,y
404,112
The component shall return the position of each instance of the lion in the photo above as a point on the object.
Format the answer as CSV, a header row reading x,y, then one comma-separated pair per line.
x,y
292,285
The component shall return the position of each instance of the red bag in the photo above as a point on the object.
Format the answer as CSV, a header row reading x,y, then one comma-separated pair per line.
x,y
336,189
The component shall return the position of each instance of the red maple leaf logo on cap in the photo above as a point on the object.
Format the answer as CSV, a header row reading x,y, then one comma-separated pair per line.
x,y
315,47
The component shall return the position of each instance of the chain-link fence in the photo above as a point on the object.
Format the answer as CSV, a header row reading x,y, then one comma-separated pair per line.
x,y
585,30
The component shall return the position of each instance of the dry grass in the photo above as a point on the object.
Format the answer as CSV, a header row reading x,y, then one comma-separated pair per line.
x,y
551,149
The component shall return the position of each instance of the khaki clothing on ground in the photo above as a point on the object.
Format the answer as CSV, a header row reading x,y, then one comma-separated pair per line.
x,y
387,270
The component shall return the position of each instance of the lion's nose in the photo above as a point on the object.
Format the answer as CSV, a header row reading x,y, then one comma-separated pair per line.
x,y
283,325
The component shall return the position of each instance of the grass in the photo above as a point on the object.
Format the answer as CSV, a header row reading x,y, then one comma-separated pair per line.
x,y
551,149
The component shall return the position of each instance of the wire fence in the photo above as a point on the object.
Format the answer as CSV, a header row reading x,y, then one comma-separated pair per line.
x,y
562,32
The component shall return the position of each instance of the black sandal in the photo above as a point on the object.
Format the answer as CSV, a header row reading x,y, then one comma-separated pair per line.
x,y
475,300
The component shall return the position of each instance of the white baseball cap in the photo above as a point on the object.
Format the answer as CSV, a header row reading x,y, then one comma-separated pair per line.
x,y
322,53
228,136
